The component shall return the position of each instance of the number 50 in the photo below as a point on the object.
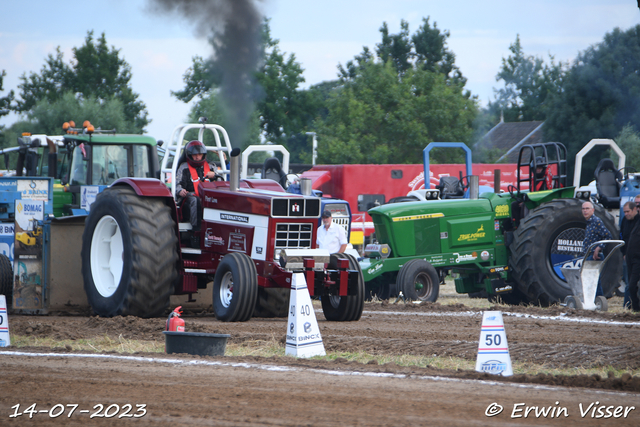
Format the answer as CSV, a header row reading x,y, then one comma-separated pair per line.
x,y
493,339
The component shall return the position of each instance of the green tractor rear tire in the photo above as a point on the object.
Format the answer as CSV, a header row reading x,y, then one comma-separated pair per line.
x,y
531,250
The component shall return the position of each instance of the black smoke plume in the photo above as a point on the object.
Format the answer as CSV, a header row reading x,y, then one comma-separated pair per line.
x,y
233,29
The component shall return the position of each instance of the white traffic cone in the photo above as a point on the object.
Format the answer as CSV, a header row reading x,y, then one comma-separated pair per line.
x,y
5,340
303,334
493,349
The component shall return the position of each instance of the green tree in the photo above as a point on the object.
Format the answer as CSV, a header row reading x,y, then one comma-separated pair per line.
x,y
529,84
47,116
378,118
388,107
5,107
96,72
426,49
283,110
396,48
210,108
629,142
601,94
432,53
5,101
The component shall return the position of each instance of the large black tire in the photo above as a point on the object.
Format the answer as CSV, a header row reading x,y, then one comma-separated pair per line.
x,y
535,250
349,308
235,288
382,287
272,302
419,280
6,278
129,254
515,297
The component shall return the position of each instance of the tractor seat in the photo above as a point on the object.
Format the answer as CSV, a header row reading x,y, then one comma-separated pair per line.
x,y
272,169
608,184
450,188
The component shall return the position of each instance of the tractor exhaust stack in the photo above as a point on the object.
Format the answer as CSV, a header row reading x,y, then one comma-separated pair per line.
x,y
234,172
474,187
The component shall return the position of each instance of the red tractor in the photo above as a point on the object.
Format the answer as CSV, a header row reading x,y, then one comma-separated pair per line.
x,y
253,236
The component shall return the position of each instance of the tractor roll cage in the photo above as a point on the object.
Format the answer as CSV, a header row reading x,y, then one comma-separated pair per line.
x,y
554,153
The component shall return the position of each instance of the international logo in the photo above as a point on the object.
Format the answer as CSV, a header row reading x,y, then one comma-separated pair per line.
x,y
236,218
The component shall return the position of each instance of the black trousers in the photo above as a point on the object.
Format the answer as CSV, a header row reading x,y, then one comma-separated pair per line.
x,y
192,210
634,277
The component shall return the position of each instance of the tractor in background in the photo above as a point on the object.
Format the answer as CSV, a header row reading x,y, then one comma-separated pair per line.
x,y
510,245
59,177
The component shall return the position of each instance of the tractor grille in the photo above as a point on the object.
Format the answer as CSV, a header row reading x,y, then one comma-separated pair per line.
x,y
293,236
342,222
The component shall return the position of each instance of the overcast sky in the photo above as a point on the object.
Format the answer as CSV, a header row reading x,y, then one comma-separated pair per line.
x,y
321,34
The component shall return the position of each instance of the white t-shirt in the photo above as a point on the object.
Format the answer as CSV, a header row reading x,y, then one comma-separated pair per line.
x,y
332,238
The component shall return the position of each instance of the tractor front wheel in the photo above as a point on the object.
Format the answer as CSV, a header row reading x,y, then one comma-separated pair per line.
x,y
235,288
419,280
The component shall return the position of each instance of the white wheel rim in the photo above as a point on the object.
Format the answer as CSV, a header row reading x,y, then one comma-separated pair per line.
x,y
226,289
107,256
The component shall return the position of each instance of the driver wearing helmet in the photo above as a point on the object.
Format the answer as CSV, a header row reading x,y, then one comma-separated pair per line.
x,y
190,173
541,178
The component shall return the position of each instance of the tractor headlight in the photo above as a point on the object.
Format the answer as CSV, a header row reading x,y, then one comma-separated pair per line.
x,y
433,194
583,194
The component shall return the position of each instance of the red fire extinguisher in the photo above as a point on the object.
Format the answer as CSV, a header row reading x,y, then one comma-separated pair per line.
x,y
175,323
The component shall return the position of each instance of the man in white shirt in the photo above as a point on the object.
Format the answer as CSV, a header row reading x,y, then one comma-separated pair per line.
x,y
331,236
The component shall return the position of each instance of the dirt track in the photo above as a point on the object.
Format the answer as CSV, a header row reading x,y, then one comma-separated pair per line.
x,y
288,391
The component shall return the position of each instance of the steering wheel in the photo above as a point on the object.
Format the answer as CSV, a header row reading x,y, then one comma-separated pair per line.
x,y
218,178
512,189
624,171
464,183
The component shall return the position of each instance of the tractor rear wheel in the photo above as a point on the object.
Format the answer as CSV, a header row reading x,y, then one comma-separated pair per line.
x,y
549,238
235,288
6,278
344,308
419,280
129,254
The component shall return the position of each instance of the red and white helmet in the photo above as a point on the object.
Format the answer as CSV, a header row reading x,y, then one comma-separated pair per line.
x,y
195,147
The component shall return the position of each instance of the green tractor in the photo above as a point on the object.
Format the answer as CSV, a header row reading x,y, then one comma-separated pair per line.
x,y
83,162
511,245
